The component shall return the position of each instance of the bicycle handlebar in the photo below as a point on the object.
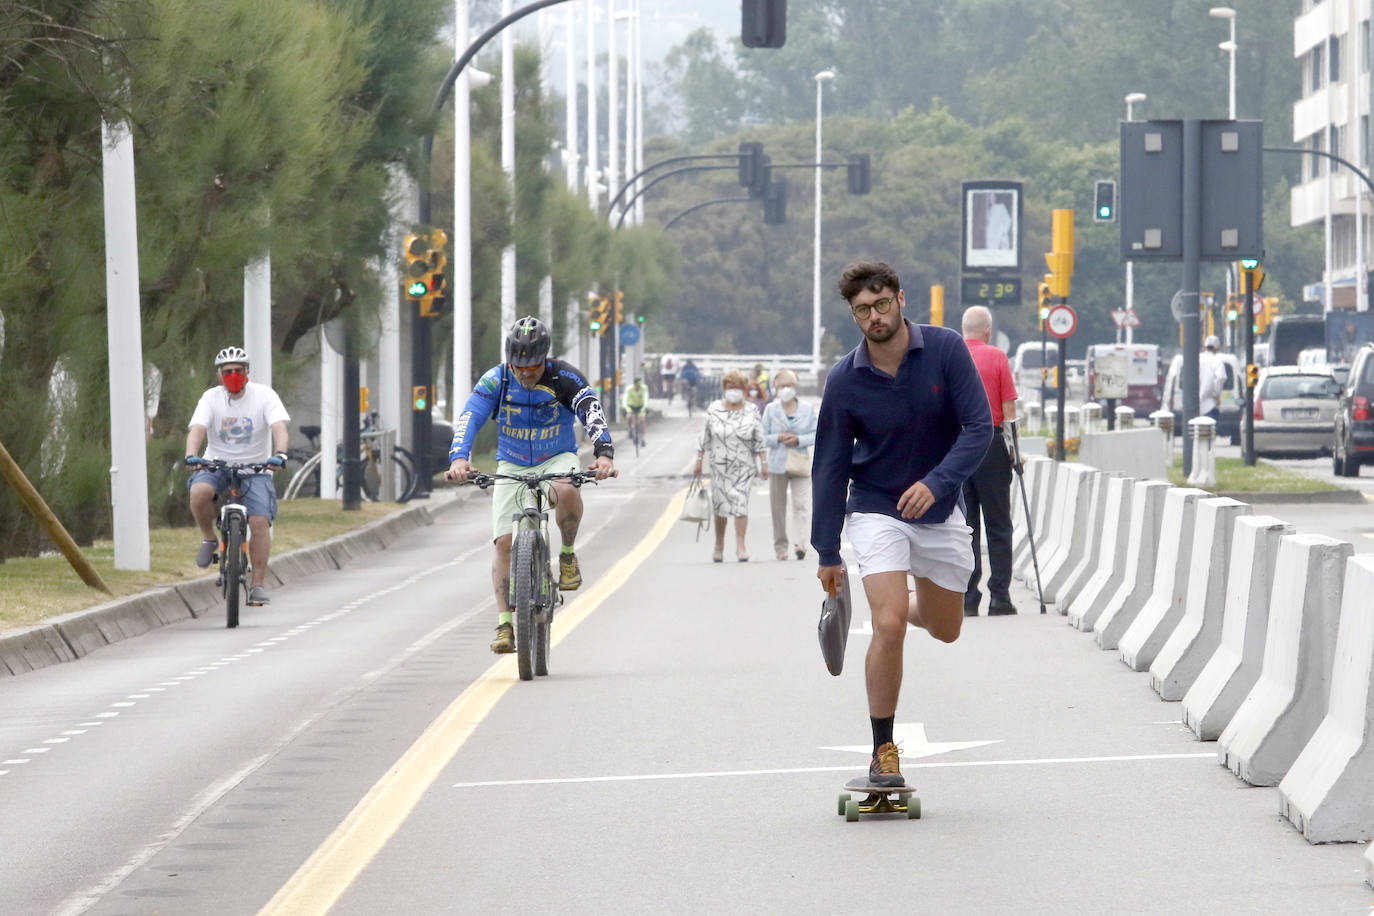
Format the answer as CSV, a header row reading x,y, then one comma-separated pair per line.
x,y
219,464
576,478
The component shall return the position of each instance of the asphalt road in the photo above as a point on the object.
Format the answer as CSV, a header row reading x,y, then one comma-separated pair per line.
x,y
355,745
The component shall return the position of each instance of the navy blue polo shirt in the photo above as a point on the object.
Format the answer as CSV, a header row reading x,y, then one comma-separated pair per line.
x,y
877,435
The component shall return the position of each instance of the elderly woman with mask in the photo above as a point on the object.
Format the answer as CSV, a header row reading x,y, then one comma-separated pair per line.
x,y
732,440
789,430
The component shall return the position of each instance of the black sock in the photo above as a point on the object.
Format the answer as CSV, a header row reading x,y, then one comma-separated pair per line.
x,y
882,732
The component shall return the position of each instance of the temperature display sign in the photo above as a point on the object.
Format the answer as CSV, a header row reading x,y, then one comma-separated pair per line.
x,y
986,291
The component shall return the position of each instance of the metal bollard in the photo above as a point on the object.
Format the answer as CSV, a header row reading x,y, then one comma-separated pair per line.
x,y
1204,433
1034,419
1073,428
1052,427
1125,417
1091,413
1164,420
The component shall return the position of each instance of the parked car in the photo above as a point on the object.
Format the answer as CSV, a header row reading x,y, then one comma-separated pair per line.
x,y
1229,405
1295,410
1353,439
1025,369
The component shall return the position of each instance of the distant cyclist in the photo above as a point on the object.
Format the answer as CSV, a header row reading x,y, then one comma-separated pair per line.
x,y
535,401
690,375
245,423
636,402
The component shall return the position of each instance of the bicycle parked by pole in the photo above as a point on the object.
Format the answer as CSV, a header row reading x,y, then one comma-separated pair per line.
x,y
400,470
534,593
232,526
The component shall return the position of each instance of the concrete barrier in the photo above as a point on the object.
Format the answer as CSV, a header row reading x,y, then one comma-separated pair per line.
x,y
1328,793
1085,607
1161,612
1198,633
202,595
1135,452
1288,702
345,548
303,562
94,628
1046,477
1369,865
1147,505
1083,570
1226,679
1033,478
1071,541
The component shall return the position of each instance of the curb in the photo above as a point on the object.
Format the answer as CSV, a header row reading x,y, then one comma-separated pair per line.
x,y
71,636
1315,496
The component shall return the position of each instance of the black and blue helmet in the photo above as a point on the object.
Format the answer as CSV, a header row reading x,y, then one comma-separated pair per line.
x,y
528,342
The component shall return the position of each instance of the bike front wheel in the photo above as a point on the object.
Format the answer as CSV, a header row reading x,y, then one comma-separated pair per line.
x,y
232,571
526,581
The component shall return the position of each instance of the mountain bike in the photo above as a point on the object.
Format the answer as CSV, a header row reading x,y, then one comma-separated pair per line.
x,y
305,482
634,422
232,524
534,590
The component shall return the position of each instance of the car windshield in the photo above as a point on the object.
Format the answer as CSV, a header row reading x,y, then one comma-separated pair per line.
x,y
1282,387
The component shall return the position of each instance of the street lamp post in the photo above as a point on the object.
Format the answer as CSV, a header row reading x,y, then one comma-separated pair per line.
x,y
1226,12
1131,99
821,78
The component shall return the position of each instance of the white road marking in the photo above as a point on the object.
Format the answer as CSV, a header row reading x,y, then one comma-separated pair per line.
x,y
106,715
1127,758
912,742
56,740
15,761
122,705
35,750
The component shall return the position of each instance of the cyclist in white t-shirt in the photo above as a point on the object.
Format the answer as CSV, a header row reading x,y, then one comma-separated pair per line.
x,y
244,422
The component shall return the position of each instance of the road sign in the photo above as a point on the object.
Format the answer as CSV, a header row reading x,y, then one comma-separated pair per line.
x,y
1256,304
1126,318
629,335
1061,321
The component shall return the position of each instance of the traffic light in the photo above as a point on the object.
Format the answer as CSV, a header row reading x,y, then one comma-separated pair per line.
x,y
434,299
419,397
619,307
639,319
1252,267
1232,308
417,265
856,171
1251,375
1104,202
1045,300
763,23
600,314
775,203
751,171
1060,258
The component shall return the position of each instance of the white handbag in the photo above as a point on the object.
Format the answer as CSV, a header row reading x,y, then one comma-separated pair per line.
x,y
696,507
798,463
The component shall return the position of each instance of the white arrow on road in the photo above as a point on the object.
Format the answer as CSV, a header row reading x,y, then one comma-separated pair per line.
x,y
912,741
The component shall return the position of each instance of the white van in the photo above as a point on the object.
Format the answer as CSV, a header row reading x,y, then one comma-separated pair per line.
x,y
1144,379
1026,364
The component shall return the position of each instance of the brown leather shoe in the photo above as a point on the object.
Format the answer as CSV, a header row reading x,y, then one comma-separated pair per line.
x,y
885,770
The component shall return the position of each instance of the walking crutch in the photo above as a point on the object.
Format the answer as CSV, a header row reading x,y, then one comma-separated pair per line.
x,y
1025,505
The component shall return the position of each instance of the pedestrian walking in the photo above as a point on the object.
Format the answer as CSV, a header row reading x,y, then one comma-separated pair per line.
x,y
987,494
903,422
731,441
789,429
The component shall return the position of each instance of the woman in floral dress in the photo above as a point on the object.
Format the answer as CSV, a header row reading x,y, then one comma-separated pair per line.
x,y
732,439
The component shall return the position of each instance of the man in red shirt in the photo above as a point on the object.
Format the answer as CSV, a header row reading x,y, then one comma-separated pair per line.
x,y
989,489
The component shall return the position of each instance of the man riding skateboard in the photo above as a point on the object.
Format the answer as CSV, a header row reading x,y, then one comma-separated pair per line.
x,y
903,422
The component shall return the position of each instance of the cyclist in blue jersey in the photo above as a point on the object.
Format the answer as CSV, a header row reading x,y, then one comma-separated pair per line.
x,y
535,402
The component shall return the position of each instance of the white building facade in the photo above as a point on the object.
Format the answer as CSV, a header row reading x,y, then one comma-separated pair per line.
x,y
1331,40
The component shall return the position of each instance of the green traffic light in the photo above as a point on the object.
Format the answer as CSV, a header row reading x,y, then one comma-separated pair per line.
x,y
419,403
639,318
1104,212
417,289
1231,315
595,325
1249,263
1044,313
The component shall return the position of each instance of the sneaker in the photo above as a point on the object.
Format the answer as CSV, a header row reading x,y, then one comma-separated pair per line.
x,y
569,576
257,596
504,643
885,770
206,554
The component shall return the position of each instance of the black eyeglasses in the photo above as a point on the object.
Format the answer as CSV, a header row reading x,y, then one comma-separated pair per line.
x,y
881,306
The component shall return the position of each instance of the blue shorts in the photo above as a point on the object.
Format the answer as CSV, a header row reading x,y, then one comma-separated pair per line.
x,y
257,493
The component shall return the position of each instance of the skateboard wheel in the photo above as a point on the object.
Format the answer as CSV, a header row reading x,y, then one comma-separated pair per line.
x,y
913,809
844,801
851,810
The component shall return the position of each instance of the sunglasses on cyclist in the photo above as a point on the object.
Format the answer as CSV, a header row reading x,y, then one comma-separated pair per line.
x,y
881,306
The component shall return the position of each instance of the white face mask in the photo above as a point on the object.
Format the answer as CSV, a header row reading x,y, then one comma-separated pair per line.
x,y
734,396
786,393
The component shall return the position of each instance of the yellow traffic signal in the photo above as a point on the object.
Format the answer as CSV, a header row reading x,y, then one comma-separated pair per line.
x,y
417,266
419,397
1060,260
937,305
1266,314
599,315
431,305
1251,375
1251,267
1045,301
619,307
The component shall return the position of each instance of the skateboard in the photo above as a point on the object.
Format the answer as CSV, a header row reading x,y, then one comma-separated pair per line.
x,y
880,800
833,628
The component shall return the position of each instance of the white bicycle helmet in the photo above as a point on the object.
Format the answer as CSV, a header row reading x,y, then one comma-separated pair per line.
x,y
231,355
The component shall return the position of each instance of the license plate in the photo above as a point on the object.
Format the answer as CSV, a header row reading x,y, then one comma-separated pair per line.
x,y
1299,413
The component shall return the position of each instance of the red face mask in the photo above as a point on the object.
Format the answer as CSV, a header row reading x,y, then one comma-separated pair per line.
x,y
234,381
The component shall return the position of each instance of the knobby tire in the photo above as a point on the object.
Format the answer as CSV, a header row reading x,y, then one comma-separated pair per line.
x,y
544,588
526,584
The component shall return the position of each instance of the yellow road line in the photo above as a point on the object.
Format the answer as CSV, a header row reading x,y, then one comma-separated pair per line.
x,y
326,875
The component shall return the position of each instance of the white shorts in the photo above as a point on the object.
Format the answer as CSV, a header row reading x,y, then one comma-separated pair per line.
x,y
942,553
